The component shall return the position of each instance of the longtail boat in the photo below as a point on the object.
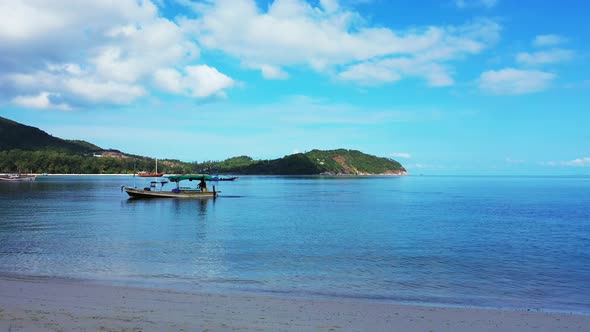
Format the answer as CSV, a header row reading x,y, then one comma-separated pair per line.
x,y
17,177
216,178
179,192
149,175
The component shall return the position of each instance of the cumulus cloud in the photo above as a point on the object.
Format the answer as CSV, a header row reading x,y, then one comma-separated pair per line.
x,y
545,57
115,52
329,38
41,101
89,52
404,155
104,91
273,72
198,81
75,85
510,81
548,40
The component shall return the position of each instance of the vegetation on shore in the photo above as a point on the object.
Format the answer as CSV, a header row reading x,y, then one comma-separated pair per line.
x,y
330,162
30,150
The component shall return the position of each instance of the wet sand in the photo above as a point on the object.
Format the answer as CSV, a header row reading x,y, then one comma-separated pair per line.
x,y
41,304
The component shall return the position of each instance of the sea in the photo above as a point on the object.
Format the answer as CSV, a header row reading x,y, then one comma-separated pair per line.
x,y
507,242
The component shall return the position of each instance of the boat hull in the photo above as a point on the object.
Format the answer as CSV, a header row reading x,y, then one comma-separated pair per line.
x,y
223,179
141,193
150,175
17,178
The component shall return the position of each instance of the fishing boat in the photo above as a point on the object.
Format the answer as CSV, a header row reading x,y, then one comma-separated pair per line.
x,y
155,174
17,177
217,178
179,192
150,175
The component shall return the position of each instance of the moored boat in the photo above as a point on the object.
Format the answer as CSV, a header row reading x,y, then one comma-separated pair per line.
x,y
179,192
18,177
216,178
150,175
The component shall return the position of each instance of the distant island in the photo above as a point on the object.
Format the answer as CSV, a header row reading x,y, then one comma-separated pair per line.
x,y
28,149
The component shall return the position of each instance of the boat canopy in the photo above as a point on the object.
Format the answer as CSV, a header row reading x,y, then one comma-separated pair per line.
x,y
190,177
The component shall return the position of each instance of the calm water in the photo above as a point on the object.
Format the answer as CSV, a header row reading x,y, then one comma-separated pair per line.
x,y
509,242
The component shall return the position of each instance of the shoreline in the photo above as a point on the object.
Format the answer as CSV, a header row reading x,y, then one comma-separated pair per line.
x,y
49,304
55,174
186,288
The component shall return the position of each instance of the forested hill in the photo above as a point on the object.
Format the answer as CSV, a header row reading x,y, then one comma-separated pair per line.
x,y
31,150
16,136
330,162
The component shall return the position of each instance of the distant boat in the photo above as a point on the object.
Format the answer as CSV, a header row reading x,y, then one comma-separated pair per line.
x,y
217,178
179,192
17,177
155,174
149,175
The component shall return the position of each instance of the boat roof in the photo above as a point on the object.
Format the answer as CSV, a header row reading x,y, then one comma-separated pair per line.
x,y
190,177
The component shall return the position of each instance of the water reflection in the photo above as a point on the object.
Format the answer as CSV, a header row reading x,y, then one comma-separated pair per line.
x,y
181,206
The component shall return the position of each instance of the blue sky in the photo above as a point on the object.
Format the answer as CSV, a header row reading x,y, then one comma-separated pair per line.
x,y
444,87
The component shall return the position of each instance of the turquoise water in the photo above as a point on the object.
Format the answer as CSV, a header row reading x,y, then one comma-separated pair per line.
x,y
504,242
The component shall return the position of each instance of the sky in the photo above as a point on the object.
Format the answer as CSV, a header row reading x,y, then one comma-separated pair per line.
x,y
444,87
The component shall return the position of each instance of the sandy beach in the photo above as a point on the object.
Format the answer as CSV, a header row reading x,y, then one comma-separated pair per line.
x,y
39,304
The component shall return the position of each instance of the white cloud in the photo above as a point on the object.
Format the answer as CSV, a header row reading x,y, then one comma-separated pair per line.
x,y
206,81
109,92
273,72
40,101
580,162
198,81
89,52
134,53
404,155
512,81
329,5
70,68
548,40
390,70
445,44
79,88
41,28
70,47
545,57
330,38
475,3
169,80
372,73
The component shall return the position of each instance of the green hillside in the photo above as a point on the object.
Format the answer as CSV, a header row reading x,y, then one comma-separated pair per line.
x,y
16,136
330,162
344,161
29,149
